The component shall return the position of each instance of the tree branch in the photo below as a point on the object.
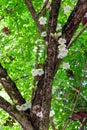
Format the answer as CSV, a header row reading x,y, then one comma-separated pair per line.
x,y
10,87
75,38
52,23
12,111
44,6
77,91
74,20
34,14
52,123
72,24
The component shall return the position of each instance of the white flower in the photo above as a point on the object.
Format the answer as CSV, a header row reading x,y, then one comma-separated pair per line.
x,y
44,34
34,72
66,65
24,106
56,35
61,40
58,27
52,113
44,1
62,47
18,108
59,34
60,92
38,40
62,54
66,9
85,14
39,114
42,20
40,72
28,104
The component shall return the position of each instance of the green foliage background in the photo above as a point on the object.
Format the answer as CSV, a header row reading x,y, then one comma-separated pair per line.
x,y
18,52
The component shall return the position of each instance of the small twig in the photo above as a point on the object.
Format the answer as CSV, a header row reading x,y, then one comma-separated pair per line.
x,y
75,38
22,77
52,123
44,6
65,125
78,92
34,14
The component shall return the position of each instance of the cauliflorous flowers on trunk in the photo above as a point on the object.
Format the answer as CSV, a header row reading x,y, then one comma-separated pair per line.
x,y
39,114
62,48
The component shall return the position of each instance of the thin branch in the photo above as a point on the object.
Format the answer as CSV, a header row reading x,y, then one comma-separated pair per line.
x,y
34,14
74,20
10,87
72,24
44,6
52,123
76,90
5,105
65,125
75,38
22,77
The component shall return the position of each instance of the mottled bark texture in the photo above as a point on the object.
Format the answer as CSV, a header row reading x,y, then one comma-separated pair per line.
x,y
10,87
43,94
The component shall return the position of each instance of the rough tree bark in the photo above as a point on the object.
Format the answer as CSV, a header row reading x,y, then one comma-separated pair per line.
x,y
42,97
